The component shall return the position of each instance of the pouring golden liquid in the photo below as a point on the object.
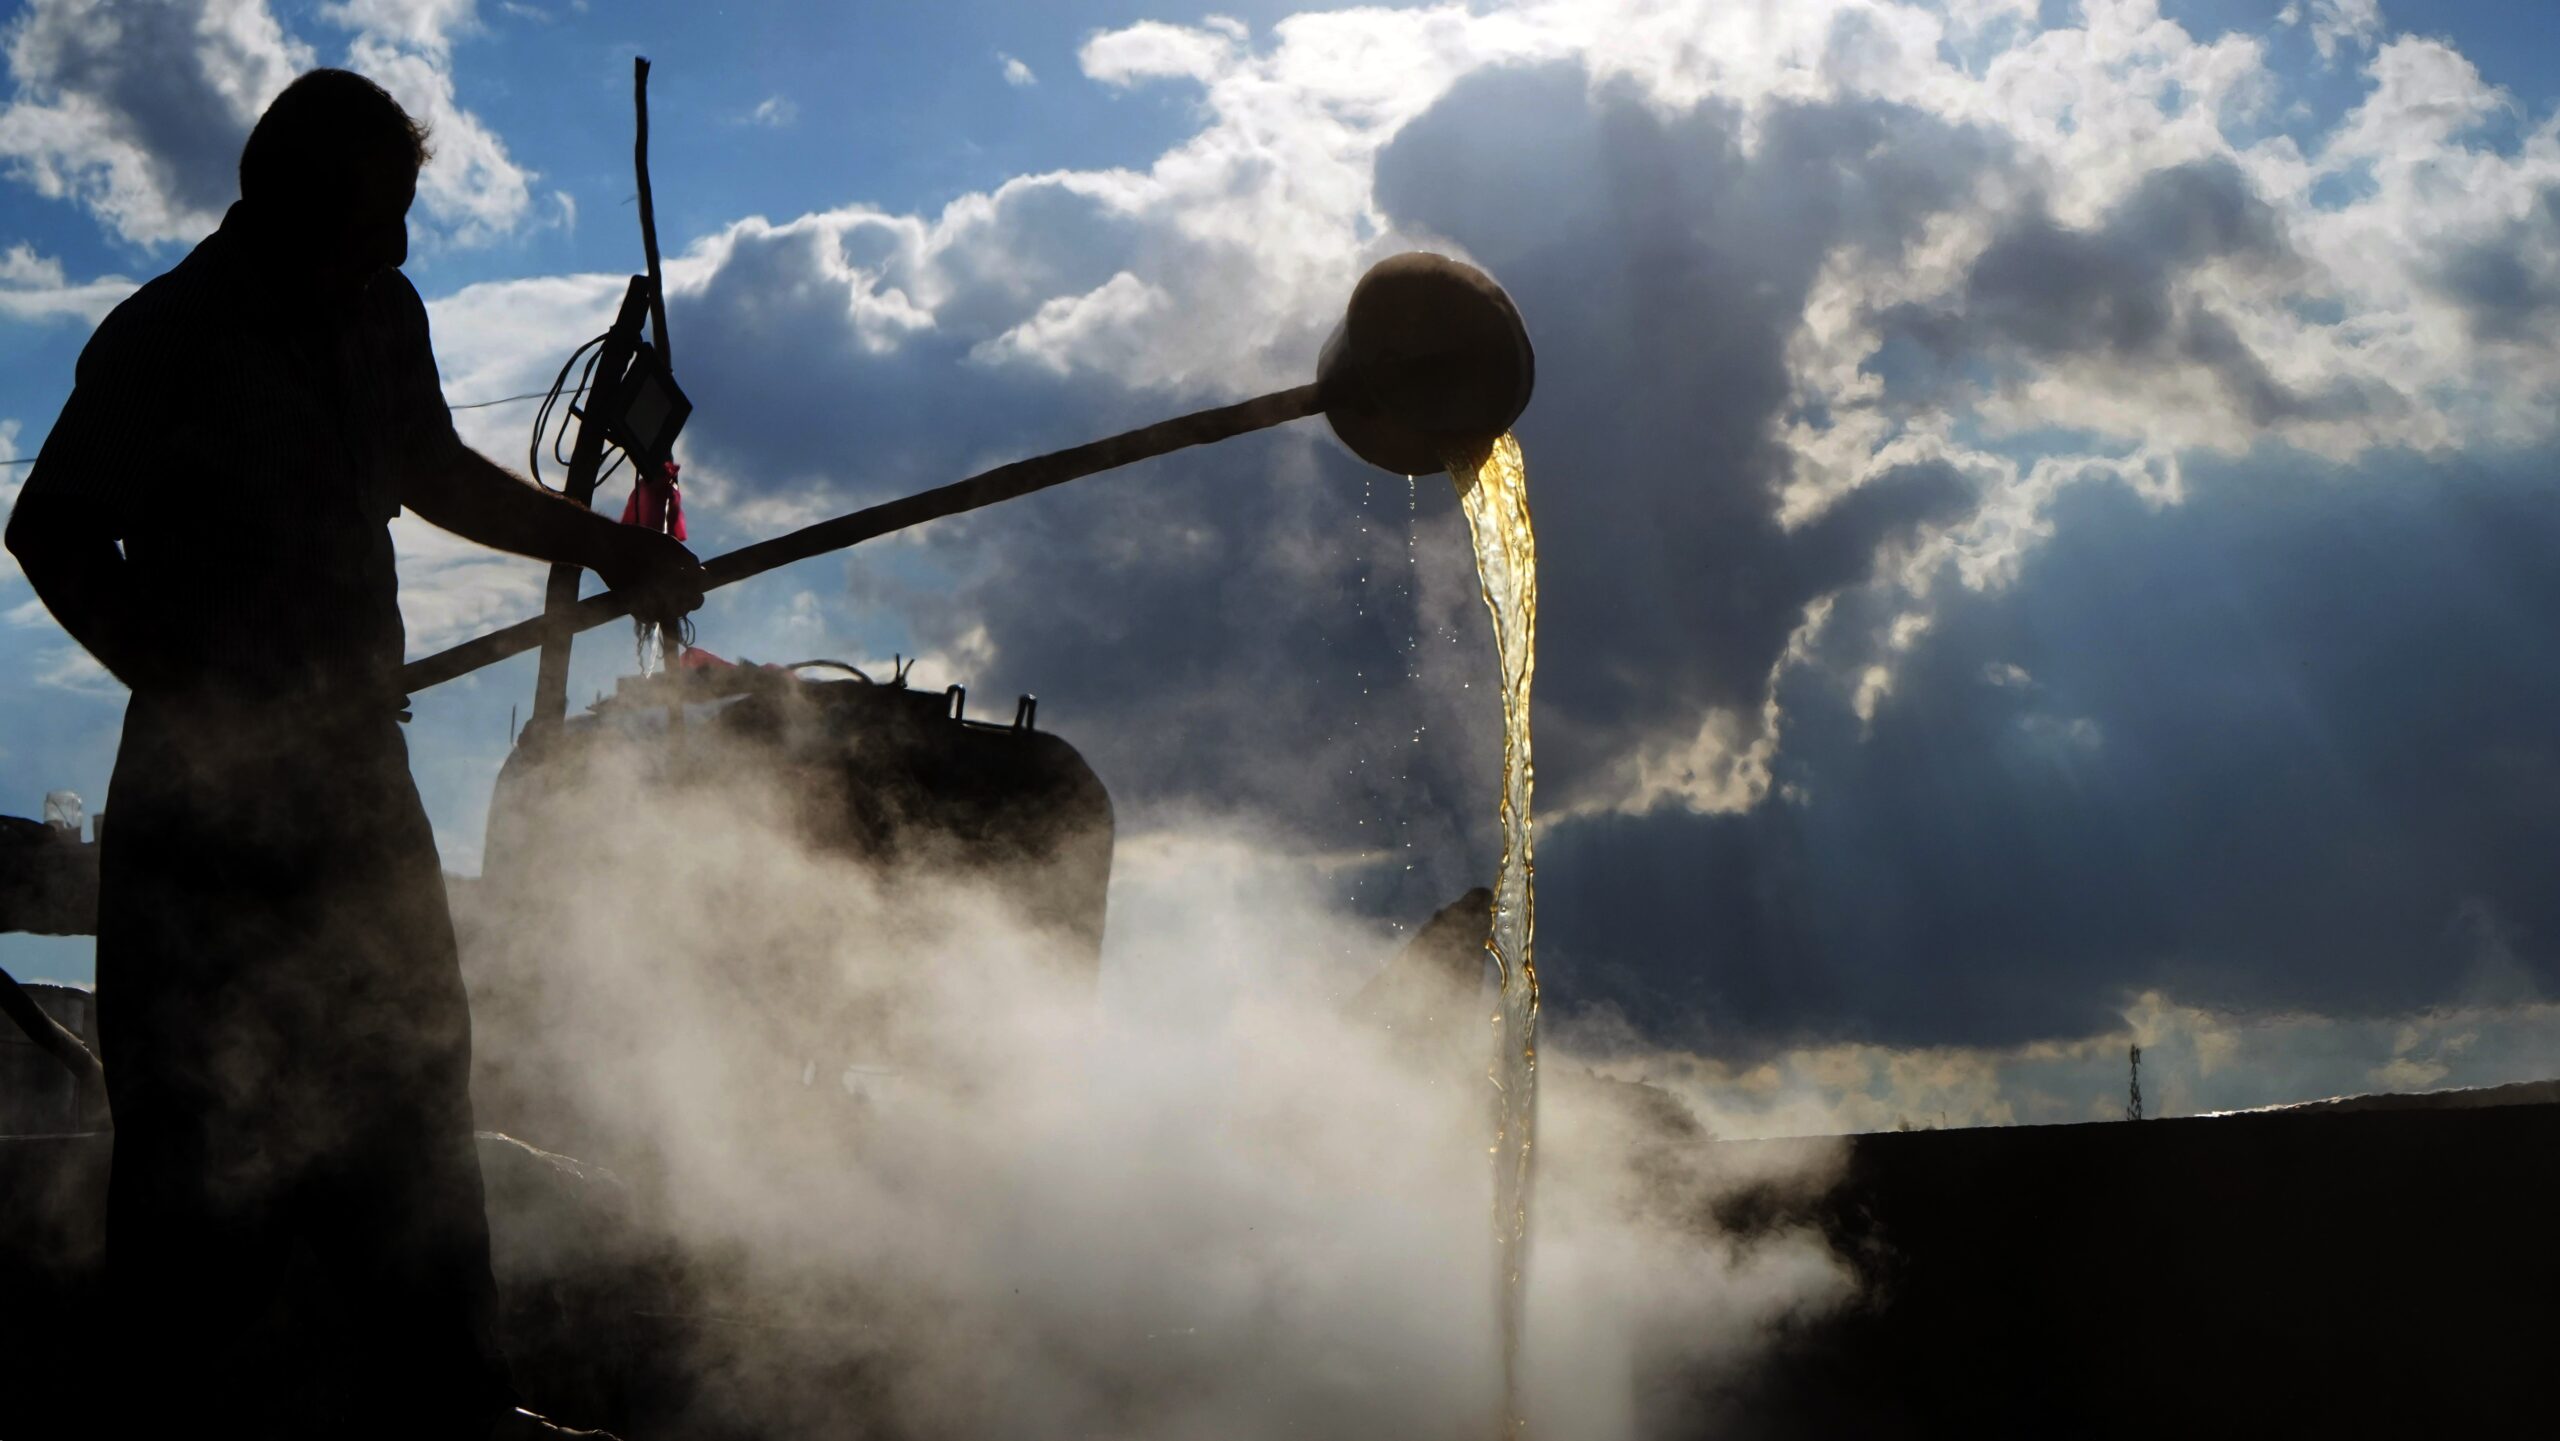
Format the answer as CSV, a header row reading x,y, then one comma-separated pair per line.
x,y
1493,490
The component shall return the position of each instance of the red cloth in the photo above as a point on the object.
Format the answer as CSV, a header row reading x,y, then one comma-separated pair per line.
x,y
656,503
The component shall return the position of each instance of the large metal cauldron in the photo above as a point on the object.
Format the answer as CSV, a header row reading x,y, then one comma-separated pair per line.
x,y
884,773
893,780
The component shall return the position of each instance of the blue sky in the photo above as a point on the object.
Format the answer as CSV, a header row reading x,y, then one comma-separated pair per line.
x,y
2044,505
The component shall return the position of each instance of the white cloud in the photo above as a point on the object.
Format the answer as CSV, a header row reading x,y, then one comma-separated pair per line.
x,y
32,287
1154,50
472,190
2337,24
452,589
69,668
508,337
2062,733
1725,764
1015,72
776,111
2195,1060
495,339
138,112
1092,329
417,24
13,478
20,266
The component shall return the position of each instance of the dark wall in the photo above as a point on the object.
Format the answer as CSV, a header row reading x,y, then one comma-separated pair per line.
x,y
2277,1274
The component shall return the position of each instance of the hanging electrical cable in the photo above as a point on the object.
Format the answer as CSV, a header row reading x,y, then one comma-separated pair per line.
x,y
542,416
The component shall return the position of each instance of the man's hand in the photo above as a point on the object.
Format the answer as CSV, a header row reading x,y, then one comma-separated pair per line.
x,y
462,491
654,573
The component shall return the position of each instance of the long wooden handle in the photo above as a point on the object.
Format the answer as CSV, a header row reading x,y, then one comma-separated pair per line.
x,y
52,1035
1005,482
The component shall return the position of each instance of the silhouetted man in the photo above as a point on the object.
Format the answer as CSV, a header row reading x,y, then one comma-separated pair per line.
x,y
286,1038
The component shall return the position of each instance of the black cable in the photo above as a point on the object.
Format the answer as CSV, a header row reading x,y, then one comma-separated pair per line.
x,y
542,417
505,400
586,381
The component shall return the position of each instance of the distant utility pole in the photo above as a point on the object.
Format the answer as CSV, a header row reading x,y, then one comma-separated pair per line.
x,y
2133,1102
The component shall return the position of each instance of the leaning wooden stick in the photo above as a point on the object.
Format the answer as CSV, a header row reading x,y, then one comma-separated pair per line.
x,y
1005,482
56,1039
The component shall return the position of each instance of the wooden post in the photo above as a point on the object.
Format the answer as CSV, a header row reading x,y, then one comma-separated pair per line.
x,y
649,214
560,597
670,636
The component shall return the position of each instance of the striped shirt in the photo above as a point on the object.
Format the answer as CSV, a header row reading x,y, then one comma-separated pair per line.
x,y
245,443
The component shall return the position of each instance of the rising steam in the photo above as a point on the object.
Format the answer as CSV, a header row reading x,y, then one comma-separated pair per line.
x,y
929,1181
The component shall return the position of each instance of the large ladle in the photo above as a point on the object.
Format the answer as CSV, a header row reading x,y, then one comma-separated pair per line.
x,y
1430,360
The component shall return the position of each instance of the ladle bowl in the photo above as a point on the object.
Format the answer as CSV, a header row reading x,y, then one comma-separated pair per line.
x,y
1431,360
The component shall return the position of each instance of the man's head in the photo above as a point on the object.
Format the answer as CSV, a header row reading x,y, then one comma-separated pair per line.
x,y
333,165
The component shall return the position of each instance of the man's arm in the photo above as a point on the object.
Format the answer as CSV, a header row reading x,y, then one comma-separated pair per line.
x,y
456,488
102,463
71,559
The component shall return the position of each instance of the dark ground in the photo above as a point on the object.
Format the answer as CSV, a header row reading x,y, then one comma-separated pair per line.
x,y
2338,1272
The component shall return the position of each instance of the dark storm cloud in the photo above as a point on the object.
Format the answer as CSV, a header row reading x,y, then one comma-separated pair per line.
x,y
786,388
1245,628
1186,621
2283,747
2251,765
1663,268
2042,292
